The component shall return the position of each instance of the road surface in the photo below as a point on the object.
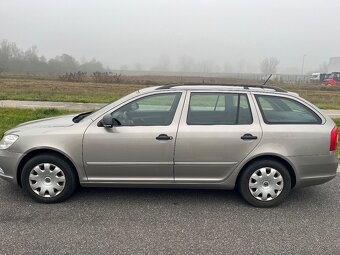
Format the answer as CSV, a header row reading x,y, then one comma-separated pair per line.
x,y
165,221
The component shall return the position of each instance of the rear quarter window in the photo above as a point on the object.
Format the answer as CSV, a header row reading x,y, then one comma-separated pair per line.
x,y
282,110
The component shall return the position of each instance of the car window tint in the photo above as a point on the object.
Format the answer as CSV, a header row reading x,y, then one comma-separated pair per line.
x,y
207,102
281,110
218,109
244,111
153,110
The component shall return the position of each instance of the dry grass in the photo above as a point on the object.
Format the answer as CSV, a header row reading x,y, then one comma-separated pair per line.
x,y
60,86
54,90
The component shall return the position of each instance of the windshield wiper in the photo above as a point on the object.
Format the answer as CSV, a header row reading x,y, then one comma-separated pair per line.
x,y
81,116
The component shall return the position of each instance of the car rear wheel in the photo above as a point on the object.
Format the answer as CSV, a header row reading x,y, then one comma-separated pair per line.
x,y
265,183
48,178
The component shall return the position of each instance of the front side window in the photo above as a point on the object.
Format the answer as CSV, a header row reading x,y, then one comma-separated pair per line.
x,y
153,110
281,110
218,109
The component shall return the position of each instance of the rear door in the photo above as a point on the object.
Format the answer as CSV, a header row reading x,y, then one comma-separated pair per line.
x,y
216,132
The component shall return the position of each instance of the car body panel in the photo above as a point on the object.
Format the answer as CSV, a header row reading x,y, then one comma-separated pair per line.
x,y
65,139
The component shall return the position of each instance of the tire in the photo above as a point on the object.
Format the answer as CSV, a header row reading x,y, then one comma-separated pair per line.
x,y
265,183
48,178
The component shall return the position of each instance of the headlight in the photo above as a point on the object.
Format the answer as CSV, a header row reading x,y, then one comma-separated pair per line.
x,y
7,141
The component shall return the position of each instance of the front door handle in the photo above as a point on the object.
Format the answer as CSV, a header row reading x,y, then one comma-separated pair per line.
x,y
164,137
248,137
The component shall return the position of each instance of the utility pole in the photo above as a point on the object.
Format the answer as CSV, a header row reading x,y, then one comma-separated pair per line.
x,y
303,62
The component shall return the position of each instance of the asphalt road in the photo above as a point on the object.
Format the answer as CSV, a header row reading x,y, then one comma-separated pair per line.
x,y
156,221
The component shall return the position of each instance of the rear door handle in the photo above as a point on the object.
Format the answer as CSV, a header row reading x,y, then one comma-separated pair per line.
x,y
164,137
248,137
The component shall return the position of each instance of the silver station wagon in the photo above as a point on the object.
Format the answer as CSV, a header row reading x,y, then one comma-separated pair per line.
x,y
261,140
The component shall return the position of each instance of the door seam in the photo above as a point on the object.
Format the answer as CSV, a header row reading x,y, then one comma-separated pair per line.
x,y
174,152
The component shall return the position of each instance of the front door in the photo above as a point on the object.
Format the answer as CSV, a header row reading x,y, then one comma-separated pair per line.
x,y
141,149
216,132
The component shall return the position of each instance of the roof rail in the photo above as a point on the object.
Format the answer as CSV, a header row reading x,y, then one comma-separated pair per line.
x,y
245,86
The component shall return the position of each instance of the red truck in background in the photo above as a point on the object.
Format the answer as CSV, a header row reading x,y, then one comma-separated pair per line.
x,y
332,79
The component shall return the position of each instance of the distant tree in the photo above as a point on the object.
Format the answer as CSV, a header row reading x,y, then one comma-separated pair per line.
x,y
241,65
163,63
207,66
8,51
13,59
186,64
227,67
137,66
124,67
92,66
269,65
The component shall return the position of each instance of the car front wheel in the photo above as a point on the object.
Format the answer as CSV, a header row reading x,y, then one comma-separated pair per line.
x,y
48,178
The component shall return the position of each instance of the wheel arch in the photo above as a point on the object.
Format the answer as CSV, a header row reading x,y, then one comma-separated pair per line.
x,y
38,151
277,158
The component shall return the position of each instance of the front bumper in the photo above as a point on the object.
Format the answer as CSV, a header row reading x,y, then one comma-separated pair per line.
x,y
8,164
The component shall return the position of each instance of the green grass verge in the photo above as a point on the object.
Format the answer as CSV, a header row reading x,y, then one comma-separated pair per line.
x,y
10,117
59,97
106,97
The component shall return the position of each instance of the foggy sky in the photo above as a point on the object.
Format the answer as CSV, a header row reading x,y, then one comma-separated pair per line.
x,y
234,32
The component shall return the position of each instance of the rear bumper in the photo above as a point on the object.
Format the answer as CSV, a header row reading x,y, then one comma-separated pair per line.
x,y
314,170
8,165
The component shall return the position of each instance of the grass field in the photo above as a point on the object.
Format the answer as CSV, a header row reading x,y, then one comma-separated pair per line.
x,y
50,89
10,117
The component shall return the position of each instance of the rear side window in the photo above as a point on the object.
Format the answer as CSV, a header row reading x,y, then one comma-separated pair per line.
x,y
219,109
281,110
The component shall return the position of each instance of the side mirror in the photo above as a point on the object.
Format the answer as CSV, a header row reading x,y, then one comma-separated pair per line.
x,y
109,122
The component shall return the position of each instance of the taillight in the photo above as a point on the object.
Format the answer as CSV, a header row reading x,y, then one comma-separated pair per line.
x,y
334,139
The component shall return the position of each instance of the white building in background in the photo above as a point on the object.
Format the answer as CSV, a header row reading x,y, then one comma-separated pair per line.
x,y
334,65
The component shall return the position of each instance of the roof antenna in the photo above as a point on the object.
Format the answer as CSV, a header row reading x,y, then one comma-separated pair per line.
x,y
267,79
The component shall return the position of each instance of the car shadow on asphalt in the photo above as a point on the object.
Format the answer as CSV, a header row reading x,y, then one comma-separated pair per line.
x,y
301,197
320,195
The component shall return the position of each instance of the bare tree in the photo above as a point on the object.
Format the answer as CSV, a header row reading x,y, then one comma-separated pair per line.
x,y
227,67
269,65
138,66
164,63
14,59
124,67
241,65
